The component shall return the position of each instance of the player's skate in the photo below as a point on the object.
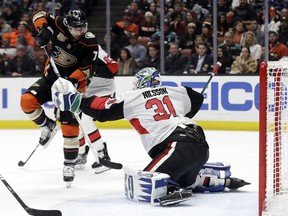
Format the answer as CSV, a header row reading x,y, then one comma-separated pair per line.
x,y
68,174
175,197
48,132
82,159
236,183
98,168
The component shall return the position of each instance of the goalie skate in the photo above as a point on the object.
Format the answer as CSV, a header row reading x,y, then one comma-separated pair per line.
x,y
48,132
99,168
175,198
82,159
68,175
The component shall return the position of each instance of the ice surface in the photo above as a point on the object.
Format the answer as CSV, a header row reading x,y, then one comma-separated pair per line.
x,y
39,183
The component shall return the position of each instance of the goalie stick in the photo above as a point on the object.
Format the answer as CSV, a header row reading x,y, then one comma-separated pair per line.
x,y
30,211
215,70
110,164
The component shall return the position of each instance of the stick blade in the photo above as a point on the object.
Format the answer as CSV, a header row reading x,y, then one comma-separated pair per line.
x,y
21,163
110,164
38,212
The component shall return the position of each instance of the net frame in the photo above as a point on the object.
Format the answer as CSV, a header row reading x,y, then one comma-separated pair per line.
x,y
273,139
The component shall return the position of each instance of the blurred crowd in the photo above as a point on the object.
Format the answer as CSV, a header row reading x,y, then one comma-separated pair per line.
x,y
135,37
19,54
188,35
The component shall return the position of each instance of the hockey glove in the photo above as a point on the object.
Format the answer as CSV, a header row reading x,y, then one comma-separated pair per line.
x,y
67,102
63,86
44,36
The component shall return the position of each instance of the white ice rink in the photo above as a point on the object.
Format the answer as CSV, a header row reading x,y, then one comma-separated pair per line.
x,y
39,183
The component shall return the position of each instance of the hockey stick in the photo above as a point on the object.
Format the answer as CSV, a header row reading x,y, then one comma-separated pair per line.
x,y
110,164
215,70
21,163
29,210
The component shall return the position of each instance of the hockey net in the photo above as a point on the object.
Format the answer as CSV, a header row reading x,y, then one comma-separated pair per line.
x,y
273,140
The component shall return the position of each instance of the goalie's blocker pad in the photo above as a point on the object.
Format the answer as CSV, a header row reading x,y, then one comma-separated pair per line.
x,y
143,186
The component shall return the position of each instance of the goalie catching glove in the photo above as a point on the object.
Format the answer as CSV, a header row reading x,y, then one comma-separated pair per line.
x,y
65,96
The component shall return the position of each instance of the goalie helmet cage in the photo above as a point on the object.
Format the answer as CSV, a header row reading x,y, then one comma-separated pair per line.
x,y
273,139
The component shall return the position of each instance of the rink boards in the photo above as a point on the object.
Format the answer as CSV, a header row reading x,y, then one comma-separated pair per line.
x,y
231,102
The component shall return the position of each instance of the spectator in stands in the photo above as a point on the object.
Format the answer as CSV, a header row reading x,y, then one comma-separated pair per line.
x,y
199,39
244,64
7,50
176,24
230,20
148,27
207,33
129,27
175,62
3,64
26,17
222,26
28,48
21,30
26,6
200,63
127,64
238,30
169,37
223,7
277,50
152,9
137,16
259,34
118,40
283,31
283,14
152,59
10,15
177,8
250,41
191,17
244,12
223,57
21,64
233,49
4,26
200,10
187,41
137,51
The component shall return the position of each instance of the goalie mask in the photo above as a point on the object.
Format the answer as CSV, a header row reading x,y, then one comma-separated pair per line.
x,y
76,22
147,77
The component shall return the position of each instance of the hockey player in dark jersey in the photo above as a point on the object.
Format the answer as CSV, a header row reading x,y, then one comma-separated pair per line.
x,y
74,51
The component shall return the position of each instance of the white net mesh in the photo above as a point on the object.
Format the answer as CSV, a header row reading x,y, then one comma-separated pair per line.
x,y
276,194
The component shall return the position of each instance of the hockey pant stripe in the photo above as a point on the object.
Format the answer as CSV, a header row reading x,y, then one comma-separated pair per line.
x,y
158,161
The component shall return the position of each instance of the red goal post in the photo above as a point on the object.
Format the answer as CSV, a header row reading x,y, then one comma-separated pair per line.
x,y
273,139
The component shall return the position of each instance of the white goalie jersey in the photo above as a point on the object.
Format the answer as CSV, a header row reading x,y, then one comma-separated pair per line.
x,y
156,112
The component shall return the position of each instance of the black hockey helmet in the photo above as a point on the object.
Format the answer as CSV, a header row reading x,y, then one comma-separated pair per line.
x,y
76,18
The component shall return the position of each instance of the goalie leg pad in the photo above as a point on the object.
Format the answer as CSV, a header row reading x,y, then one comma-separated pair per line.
x,y
143,186
212,177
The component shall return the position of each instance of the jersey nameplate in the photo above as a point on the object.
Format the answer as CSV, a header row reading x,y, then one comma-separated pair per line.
x,y
155,92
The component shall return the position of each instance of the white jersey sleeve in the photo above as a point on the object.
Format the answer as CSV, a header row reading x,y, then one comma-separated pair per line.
x,y
156,112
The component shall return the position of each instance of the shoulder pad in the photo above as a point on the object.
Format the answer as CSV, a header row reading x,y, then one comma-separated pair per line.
x,y
89,39
89,35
